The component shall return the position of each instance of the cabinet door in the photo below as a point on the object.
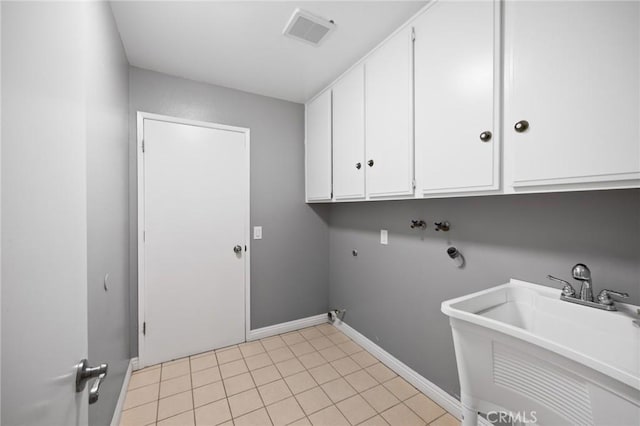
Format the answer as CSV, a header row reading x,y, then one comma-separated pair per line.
x,y
348,136
572,73
389,127
318,148
457,145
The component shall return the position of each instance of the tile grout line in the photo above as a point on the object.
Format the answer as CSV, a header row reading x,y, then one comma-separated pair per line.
x,y
324,408
335,404
258,391
361,368
193,400
440,416
158,399
318,385
401,401
315,381
289,388
224,388
294,395
305,414
417,414
365,401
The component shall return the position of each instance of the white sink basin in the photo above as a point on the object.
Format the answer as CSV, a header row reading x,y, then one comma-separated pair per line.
x,y
520,348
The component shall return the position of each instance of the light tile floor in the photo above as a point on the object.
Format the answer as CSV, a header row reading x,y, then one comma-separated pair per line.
x,y
314,376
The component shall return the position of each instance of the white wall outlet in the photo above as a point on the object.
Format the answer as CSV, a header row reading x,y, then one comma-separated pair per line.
x,y
384,237
257,232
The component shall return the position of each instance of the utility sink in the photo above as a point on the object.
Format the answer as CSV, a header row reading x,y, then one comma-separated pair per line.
x,y
521,349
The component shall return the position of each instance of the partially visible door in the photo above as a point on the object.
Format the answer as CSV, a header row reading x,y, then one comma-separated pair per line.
x,y
389,124
456,143
196,213
348,136
44,213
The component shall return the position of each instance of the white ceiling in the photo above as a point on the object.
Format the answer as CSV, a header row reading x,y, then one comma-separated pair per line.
x,y
239,44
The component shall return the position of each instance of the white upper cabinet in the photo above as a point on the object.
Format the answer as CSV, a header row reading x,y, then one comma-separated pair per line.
x,y
572,88
389,124
318,148
487,97
348,136
456,74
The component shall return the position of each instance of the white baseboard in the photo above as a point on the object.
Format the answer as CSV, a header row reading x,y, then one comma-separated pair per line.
x,y
135,364
117,412
439,396
285,327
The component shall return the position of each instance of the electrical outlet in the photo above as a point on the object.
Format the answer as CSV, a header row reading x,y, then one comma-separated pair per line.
x,y
257,232
384,237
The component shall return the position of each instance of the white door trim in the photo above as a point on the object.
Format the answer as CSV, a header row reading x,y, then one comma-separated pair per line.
x,y
141,116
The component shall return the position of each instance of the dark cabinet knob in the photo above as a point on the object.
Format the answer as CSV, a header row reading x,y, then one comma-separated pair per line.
x,y
370,163
485,136
521,126
358,166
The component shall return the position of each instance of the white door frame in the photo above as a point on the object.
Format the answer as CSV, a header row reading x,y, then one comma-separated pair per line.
x,y
141,116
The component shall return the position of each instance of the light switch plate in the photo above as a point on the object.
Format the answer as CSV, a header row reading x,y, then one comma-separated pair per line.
x,y
384,237
257,232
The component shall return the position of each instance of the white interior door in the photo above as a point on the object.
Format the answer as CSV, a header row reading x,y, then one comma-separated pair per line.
x,y
44,214
196,193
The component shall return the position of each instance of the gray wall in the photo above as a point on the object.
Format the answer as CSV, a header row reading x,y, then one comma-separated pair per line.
x,y
107,205
289,266
393,293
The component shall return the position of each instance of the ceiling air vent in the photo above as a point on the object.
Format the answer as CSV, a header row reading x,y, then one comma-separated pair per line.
x,y
308,28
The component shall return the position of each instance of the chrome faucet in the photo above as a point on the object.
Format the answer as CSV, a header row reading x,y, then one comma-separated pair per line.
x,y
582,273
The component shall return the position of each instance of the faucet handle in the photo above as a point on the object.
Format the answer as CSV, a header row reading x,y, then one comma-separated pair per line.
x,y
604,298
567,289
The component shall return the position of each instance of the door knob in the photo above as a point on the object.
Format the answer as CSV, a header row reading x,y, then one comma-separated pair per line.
x,y
485,136
358,166
84,373
370,163
521,126
237,249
